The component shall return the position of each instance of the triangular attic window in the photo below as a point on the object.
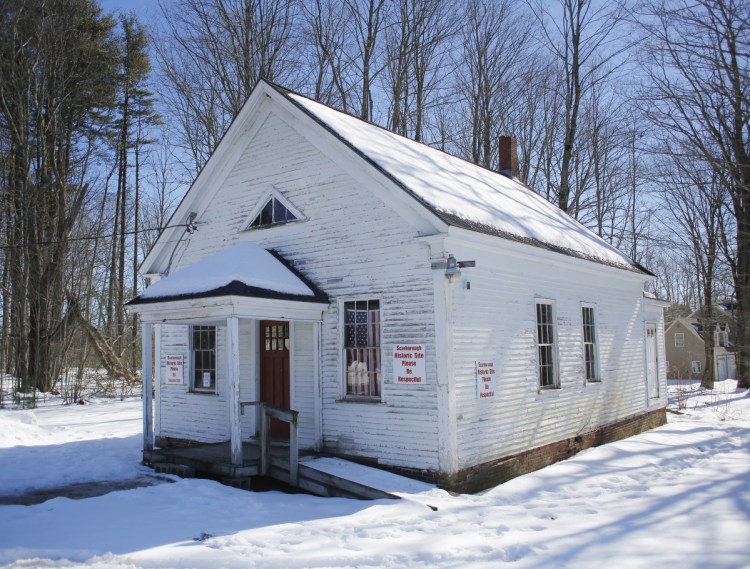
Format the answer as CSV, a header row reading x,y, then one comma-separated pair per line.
x,y
272,213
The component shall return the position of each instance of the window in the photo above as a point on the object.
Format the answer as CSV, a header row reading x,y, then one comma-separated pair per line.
x,y
276,338
362,347
589,344
203,358
545,337
696,367
679,340
273,213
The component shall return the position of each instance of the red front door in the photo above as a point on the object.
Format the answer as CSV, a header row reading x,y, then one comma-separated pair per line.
x,y
274,369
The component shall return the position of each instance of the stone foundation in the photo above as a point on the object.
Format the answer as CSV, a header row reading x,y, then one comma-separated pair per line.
x,y
173,442
489,474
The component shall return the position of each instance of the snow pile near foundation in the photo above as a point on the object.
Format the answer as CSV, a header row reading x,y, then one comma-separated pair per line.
x,y
245,262
676,496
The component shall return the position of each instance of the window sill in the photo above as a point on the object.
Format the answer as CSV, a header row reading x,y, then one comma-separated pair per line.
x,y
203,391
546,393
360,400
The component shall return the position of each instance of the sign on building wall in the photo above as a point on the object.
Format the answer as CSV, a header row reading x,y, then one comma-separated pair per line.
x,y
485,379
174,369
408,364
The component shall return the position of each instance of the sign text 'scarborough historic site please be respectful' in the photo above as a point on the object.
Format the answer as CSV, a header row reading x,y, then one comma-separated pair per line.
x,y
174,369
409,364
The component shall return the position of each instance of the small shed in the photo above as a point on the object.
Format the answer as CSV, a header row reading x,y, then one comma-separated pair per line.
x,y
407,308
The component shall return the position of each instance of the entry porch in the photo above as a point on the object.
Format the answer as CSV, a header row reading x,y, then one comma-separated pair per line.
x,y
260,456
224,338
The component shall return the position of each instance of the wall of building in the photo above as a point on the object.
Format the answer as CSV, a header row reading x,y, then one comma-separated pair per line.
x,y
494,319
355,245
303,396
680,358
184,414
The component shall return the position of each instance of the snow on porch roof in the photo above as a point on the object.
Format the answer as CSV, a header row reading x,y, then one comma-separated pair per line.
x,y
466,195
245,269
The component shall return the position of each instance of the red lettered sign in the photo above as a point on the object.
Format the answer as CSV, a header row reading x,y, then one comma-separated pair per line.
x,y
486,379
174,367
408,364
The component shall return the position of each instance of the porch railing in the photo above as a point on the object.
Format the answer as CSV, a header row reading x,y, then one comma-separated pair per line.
x,y
266,413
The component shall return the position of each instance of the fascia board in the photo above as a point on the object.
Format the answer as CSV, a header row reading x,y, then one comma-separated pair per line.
x,y
358,167
507,247
228,306
203,189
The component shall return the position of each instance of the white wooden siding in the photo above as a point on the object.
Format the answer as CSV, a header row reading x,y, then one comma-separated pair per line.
x,y
303,382
496,319
248,374
354,246
200,417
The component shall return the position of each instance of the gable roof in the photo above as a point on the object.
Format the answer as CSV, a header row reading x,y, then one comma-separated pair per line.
x,y
245,269
464,194
689,324
456,192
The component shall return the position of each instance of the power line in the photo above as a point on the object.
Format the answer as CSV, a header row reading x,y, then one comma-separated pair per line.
x,y
190,227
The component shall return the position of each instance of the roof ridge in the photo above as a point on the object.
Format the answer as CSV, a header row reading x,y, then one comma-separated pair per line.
x,y
452,218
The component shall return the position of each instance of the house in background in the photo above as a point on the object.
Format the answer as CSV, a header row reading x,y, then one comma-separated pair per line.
x,y
685,346
396,305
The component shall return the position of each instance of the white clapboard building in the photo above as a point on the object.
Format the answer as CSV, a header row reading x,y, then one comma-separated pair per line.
x,y
417,311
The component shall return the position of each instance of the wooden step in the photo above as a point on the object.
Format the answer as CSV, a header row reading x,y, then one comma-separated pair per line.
x,y
314,481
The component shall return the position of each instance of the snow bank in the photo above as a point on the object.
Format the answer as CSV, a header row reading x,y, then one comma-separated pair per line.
x,y
674,496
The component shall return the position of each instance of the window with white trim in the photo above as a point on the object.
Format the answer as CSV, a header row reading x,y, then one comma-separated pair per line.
x,y
203,358
545,338
696,366
362,348
590,350
679,340
273,212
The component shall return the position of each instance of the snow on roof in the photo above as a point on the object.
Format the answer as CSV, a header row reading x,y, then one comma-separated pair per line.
x,y
465,194
245,262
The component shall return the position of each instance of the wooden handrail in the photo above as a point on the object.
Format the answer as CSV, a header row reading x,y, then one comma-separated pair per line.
x,y
267,412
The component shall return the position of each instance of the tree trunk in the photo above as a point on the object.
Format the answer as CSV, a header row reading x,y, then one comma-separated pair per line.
x,y
112,363
742,288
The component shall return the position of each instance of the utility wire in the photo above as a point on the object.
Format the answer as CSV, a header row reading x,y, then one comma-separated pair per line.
x,y
191,228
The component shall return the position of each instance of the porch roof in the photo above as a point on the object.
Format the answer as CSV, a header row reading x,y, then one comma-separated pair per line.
x,y
242,270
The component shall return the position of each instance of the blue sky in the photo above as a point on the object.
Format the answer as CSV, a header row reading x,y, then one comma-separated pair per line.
x,y
143,8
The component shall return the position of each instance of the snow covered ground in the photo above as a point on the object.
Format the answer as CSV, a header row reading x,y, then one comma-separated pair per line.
x,y
677,496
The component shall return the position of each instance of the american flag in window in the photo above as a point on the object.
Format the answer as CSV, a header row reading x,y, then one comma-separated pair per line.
x,y
362,347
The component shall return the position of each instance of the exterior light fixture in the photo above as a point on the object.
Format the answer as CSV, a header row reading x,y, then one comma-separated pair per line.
x,y
190,226
452,266
452,270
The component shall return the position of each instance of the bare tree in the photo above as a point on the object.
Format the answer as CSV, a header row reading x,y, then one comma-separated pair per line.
x,y
417,62
493,39
214,53
367,21
697,201
699,97
326,24
587,42
57,76
161,202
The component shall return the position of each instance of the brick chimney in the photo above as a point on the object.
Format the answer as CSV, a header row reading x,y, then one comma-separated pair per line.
x,y
508,157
